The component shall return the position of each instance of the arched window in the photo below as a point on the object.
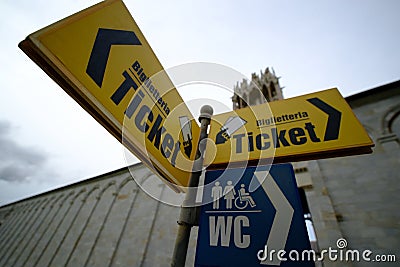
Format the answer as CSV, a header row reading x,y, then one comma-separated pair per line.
x,y
391,121
391,128
273,89
265,92
395,125
243,101
254,97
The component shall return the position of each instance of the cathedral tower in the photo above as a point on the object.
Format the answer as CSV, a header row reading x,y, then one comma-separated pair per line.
x,y
247,94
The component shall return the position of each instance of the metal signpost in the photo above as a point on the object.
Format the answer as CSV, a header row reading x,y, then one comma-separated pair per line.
x,y
189,212
253,218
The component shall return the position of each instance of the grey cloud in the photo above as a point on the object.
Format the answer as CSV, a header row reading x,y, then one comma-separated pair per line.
x,y
15,173
17,163
5,127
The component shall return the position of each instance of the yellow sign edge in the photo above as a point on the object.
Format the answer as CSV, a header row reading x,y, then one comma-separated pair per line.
x,y
52,66
293,158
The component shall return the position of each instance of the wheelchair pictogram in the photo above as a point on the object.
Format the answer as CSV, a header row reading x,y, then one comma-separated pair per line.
x,y
241,199
244,199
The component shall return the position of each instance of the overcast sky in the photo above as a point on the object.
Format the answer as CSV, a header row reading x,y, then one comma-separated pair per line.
x,y
47,140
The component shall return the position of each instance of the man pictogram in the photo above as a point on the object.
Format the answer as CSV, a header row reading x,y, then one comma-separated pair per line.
x,y
216,194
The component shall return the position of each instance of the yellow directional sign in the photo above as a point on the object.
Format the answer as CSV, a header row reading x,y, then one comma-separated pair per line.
x,y
100,57
307,127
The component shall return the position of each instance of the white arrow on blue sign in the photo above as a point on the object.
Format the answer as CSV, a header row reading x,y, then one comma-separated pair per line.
x,y
251,215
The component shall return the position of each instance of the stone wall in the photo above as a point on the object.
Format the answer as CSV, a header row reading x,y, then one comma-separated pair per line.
x,y
103,221
357,197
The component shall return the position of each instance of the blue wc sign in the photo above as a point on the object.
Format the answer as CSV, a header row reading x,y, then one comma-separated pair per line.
x,y
252,217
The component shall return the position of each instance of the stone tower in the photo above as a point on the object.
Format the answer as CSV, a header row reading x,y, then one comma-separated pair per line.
x,y
249,94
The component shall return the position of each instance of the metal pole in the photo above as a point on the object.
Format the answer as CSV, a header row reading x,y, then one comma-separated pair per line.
x,y
189,215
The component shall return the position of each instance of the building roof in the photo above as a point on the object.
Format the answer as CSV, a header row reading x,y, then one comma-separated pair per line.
x,y
380,92
79,183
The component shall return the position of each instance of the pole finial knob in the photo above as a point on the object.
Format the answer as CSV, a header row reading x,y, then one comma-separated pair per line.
x,y
206,112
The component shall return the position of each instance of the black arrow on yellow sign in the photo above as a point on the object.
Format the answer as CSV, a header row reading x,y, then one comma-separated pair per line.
x,y
101,50
334,118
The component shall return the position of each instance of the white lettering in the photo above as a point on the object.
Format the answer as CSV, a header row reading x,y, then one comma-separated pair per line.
x,y
241,241
220,227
